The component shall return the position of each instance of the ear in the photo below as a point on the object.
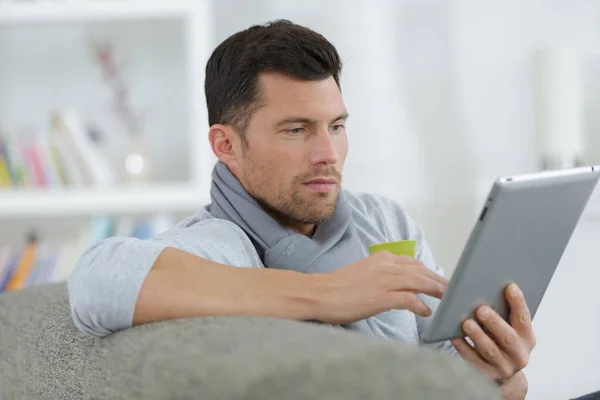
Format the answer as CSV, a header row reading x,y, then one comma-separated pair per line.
x,y
223,140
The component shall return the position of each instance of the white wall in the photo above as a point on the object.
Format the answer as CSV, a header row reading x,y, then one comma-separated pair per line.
x,y
566,361
440,97
440,93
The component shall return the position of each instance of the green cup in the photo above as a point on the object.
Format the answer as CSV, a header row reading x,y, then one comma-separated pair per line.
x,y
407,248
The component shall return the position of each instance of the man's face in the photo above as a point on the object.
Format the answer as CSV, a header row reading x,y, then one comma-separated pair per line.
x,y
296,149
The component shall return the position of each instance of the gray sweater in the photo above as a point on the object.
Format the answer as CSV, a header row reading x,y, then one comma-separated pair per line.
x,y
104,286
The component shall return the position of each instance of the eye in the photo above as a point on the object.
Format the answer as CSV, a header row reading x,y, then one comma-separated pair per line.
x,y
337,128
295,131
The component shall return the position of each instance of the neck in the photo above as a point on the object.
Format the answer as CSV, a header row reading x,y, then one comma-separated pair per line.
x,y
306,230
284,220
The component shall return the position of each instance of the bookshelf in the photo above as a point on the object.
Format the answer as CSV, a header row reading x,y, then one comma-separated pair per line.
x,y
51,65
183,177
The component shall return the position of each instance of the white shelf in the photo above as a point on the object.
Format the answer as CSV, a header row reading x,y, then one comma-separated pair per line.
x,y
89,11
32,203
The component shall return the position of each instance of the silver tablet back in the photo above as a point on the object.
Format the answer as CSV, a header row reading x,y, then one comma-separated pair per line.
x,y
520,237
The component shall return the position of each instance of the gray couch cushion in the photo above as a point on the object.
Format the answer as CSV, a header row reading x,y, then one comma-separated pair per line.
x,y
43,356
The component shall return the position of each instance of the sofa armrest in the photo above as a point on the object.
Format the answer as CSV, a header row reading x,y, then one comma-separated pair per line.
x,y
42,355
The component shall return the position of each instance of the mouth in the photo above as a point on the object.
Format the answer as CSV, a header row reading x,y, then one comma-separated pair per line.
x,y
322,185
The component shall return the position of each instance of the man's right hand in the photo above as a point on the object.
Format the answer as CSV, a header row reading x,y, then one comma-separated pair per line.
x,y
378,283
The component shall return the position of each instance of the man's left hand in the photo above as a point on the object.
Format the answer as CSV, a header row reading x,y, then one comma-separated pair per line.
x,y
504,350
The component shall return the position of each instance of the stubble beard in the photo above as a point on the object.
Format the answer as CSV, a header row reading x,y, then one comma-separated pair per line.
x,y
287,205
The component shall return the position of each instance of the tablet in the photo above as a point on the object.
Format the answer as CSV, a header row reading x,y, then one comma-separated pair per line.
x,y
520,236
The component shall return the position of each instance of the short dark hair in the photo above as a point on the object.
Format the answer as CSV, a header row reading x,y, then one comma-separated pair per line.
x,y
231,85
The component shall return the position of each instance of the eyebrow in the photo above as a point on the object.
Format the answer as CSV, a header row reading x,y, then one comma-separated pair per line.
x,y
302,120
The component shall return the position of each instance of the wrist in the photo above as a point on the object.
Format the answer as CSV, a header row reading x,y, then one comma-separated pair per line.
x,y
316,290
308,296
284,294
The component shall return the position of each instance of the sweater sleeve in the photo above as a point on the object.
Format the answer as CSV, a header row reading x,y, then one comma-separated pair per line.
x,y
401,225
106,281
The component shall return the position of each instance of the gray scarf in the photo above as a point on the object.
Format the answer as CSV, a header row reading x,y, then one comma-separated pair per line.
x,y
334,243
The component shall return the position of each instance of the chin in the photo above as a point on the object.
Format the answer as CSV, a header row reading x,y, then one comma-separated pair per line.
x,y
324,211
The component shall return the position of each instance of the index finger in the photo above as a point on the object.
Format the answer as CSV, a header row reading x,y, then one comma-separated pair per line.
x,y
415,263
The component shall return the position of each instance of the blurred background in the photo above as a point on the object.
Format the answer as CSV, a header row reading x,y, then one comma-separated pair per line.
x,y
103,127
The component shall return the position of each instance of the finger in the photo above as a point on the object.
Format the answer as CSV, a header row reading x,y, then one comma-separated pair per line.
x,y
487,349
415,283
412,263
499,329
467,352
418,270
431,274
505,337
409,301
424,279
520,316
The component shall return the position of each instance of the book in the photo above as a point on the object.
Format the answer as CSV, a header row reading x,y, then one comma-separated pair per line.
x,y
5,256
96,170
39,262
22,140
26,261
73,175
124,226
161,222
102,227
51,167
6,179
14,159
8,270
143,230
37,270
50,266
34,163
70,252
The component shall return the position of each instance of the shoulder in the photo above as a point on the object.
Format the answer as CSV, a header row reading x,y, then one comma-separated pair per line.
x,y
389,217
366,202
384,212
205,221
216,239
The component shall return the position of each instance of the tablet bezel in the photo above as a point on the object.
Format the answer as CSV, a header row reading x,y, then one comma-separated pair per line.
x,y
440,329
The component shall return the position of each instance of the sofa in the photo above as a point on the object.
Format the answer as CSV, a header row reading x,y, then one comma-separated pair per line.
x,y
43,356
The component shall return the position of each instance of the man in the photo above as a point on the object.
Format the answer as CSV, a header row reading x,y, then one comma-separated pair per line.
x,y
278,127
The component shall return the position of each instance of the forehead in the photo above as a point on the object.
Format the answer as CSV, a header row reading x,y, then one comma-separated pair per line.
x,y
282,94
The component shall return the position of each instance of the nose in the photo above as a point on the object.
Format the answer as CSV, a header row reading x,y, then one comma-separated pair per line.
x,y
323,150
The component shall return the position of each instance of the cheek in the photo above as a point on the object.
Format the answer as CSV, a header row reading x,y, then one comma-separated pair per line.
x,y
342,150
274,169
289,164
